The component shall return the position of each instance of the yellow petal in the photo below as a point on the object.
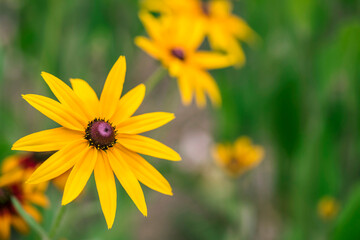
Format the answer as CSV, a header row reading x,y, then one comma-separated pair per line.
x,y
241,30
38,199
191,32
211,60
145,122
47,140
14,176
223,154
66,95
79,176
145,173
236,54
152,25
222,40
86,94
176,67
30,188
149,47
11,162
128,104
112,88
209,86
105,184
59,162
127,179
197,36
148,146
33,212
242,143
200,96
154,5
257,154
219,37
5,225
186,88
55,111
221,8
19,224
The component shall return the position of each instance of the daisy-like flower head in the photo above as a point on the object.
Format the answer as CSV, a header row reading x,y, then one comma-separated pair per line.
x,y
21,166
100,136
223,28
174,41
328,208
238,158
26,195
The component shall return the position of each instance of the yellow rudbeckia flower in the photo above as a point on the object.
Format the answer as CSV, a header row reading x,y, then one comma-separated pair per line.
x,y
223,28
21,166
100,136
174,42
238,158
328,208
27,195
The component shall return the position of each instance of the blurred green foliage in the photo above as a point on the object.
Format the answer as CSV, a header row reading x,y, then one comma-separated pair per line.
x,y
298,95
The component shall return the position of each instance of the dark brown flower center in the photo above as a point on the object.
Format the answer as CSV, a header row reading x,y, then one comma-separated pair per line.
x,y
100,134
205,7
32,160
178,53
5,197
29,161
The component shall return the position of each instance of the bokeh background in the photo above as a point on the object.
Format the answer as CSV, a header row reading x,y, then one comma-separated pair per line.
x,y
297,96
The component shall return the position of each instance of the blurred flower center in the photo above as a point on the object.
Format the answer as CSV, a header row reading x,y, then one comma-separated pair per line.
x,y
234,165
178,53
5,197
100,134
205,8
32,160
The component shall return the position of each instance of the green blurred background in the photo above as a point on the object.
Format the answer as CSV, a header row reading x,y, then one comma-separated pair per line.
x,y
297,95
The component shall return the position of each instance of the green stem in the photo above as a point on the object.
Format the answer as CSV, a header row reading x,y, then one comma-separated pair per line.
x,y
57,221
29,220
155,78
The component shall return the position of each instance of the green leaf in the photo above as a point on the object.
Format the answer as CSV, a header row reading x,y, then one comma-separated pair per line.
x,y
347,227
29,220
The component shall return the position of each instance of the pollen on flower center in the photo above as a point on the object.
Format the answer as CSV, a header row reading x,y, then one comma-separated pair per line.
x,y
100,134
178,53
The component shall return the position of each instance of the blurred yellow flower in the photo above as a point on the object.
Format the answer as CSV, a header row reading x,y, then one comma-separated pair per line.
x,y
24,165
223,28
27,195
174,42
328,208
99,135
237,158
